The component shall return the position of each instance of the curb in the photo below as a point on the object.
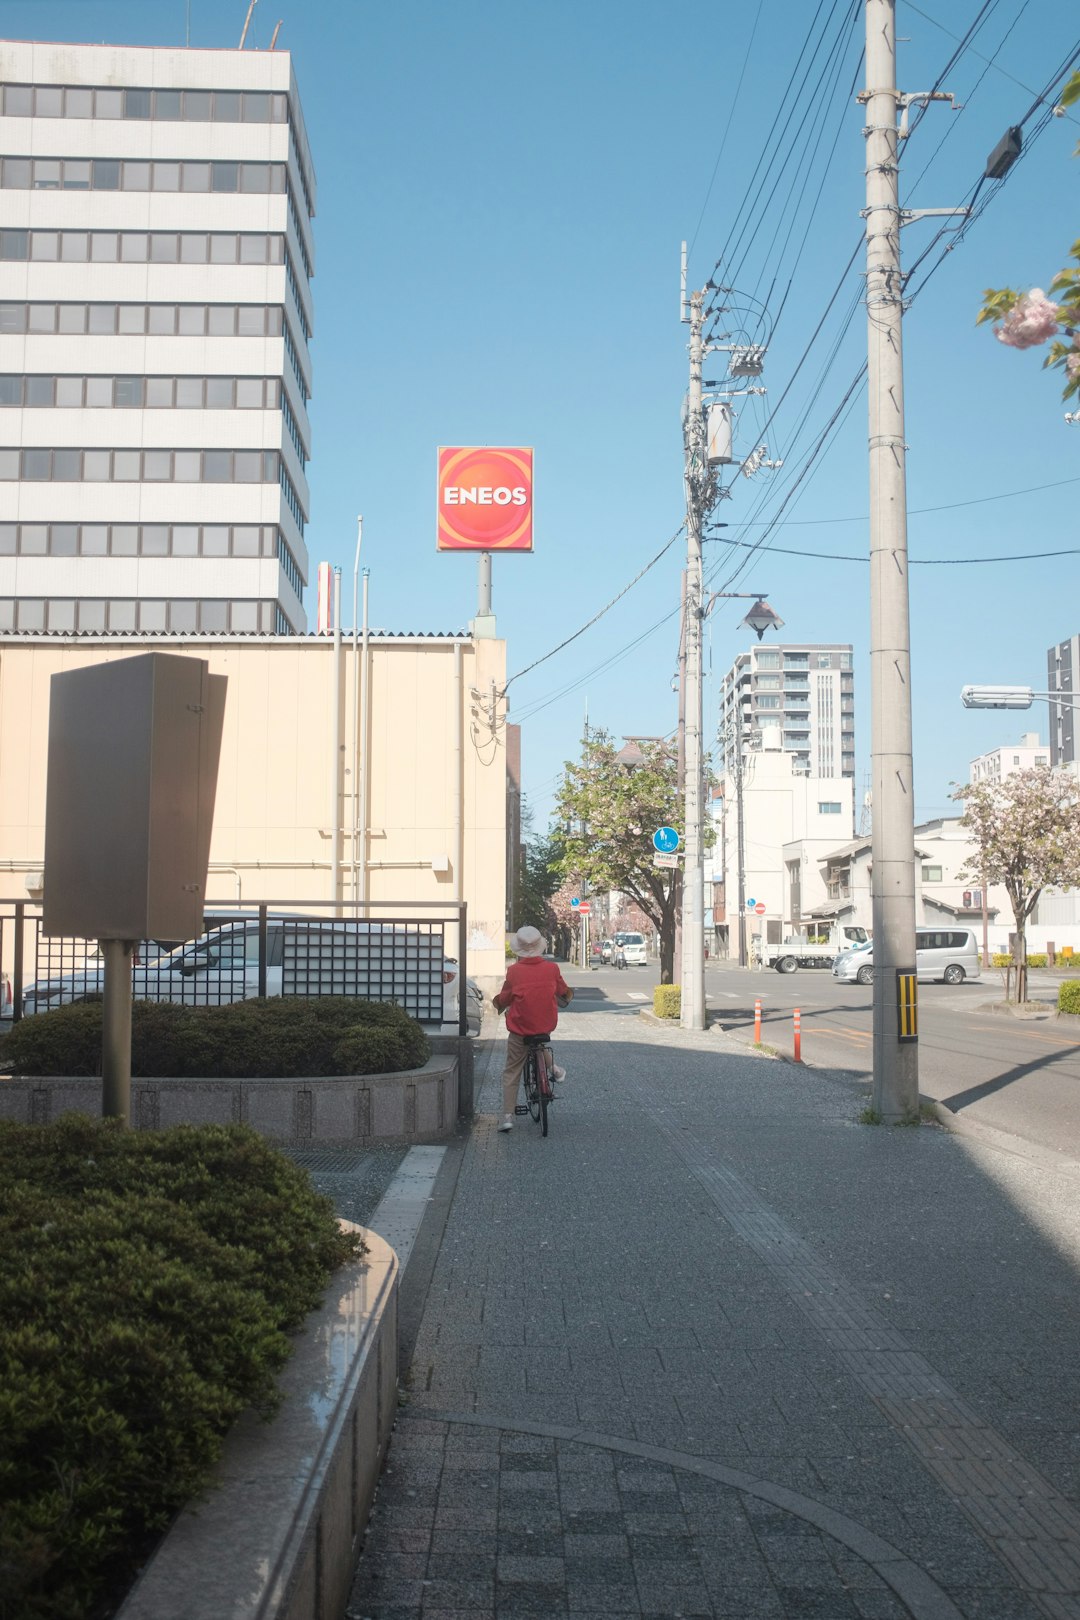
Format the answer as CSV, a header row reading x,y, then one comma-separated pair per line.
x,y
277,1536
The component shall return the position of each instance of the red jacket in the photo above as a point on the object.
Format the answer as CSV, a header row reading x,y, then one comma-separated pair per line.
x,y
528,996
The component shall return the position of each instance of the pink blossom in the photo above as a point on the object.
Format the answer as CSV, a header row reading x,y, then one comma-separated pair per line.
x,y
1032,319
1072,362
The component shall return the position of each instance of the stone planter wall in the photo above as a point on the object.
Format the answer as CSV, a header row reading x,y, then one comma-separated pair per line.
x,y
278,1536
415,1105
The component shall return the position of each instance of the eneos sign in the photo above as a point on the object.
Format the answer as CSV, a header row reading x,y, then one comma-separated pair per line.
x,y
485,498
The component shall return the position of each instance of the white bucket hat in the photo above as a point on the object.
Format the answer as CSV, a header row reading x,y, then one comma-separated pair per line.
x,y
528,942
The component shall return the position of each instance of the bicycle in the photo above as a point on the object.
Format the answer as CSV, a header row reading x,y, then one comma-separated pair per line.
x,y
536,1074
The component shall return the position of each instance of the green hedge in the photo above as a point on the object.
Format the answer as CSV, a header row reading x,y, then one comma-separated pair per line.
x,y
667,1001
1069,996
277,1036
148,1282
1002,959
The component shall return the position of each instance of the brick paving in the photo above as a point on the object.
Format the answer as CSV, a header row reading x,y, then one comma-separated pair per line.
x,y
713,1348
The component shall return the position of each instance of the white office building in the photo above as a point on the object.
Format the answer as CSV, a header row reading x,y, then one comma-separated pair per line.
x,y
155,312
1001,762
798,700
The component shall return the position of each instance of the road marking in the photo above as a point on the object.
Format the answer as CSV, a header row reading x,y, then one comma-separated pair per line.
x,y
635,995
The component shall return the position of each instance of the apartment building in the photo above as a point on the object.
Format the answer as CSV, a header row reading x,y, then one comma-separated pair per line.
x,y
155,314
1001,762
794,699
1063,675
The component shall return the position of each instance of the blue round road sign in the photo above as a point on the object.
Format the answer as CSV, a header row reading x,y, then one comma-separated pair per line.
x,y
750,904
575,902
665,840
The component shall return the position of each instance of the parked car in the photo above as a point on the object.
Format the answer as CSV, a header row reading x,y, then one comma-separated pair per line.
x,y
633,948
304,956
951,954
6,1003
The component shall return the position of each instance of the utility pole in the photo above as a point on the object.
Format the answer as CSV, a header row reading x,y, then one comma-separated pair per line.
x,y
693,892
896,1059
680,778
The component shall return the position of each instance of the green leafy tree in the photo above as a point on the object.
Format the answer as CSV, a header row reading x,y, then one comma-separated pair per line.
x,y
1026,320
539,876
1026,832
610,810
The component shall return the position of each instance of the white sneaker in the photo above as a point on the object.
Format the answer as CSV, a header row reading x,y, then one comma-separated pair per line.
x,y
557,1073
507,1123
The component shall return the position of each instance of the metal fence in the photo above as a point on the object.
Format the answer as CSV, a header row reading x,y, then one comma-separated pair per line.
x,y
272,948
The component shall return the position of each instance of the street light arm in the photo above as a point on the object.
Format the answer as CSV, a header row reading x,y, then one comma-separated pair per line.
x,y
1013,697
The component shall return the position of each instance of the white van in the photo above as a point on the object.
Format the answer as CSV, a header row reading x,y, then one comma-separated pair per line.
x,y
951,954
633,949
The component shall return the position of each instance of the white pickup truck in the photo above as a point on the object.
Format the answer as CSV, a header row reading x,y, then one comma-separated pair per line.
x,y
816,949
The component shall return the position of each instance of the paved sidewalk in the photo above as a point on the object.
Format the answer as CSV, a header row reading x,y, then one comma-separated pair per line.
x,y
714,1348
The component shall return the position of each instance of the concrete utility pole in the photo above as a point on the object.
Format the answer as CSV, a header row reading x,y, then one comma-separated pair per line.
x,y
896,1052
693,890
680,769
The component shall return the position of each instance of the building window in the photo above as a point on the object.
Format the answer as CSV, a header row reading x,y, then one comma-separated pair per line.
x,y
199,106
1041,759
149,617
768,658
128,174
148,540
152,466
931,874
829,807
105,320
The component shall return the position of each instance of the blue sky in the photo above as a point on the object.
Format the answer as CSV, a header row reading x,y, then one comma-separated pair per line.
x,y
502,194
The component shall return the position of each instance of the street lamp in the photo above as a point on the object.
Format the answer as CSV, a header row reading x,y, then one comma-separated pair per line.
x,y
1012,697
759,618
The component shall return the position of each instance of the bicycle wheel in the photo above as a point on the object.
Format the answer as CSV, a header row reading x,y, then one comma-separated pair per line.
x,y
544,1090
532,1088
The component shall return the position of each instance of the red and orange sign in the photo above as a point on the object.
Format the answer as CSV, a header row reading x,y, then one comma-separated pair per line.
x,y
485,498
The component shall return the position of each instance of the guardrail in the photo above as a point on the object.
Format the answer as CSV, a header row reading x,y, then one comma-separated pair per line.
x,y
395,952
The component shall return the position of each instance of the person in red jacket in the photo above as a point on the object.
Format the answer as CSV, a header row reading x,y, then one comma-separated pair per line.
x,y
531,996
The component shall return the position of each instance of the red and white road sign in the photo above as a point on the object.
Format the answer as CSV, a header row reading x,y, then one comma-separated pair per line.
x,y
584,909
760,908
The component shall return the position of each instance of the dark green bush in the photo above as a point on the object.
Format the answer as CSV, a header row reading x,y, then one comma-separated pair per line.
x,y
277,1036
1069,996
148,1281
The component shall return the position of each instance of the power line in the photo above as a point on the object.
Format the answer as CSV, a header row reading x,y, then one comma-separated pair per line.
x,y
727,127
926,562
991,61
918,511
596,616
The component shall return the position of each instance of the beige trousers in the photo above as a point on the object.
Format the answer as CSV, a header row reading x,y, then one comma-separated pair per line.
x,y
515,1062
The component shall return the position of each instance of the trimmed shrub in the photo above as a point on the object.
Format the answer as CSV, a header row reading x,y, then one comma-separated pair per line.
x,y
1003,959
274,1037
1037,959
148,1282
1069,996
667,1001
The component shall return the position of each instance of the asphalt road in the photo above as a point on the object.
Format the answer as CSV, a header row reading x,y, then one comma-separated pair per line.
x,y
1014,1076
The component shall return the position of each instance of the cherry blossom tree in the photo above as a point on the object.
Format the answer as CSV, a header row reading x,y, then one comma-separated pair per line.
x,y
1026,832
1026,320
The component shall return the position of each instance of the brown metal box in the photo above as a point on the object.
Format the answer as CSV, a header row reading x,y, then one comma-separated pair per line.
x,y
132,774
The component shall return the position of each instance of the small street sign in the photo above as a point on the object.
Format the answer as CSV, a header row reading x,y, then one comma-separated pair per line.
x,y
750,904
760,908
575,902
665,860
666,840
583,908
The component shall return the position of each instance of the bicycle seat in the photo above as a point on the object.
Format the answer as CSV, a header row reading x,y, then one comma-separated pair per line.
x,y
536,1040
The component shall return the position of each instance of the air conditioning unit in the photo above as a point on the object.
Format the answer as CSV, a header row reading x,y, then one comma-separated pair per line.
x,y
35,882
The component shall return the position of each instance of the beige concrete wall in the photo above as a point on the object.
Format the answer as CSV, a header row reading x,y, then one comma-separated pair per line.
x,y
274,817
